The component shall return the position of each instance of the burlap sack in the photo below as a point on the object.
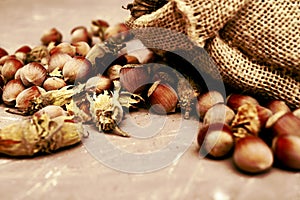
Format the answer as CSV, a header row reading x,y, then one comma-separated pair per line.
x,y
255,44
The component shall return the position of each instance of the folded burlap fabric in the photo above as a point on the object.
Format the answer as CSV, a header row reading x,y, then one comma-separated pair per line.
x,y
254,44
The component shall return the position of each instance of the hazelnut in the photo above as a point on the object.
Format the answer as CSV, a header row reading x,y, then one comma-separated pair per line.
x,y
11,90
252,155
80,34
76,69
234,101
52,35
3,52
286,149
219,113
215,140
134,78
287,124
10,67
163,98
208,100
278,105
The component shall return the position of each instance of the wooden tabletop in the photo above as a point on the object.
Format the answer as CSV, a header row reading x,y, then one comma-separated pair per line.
x,y
162,165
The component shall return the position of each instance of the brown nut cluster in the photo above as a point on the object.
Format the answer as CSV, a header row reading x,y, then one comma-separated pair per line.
x,y
264,135
257,136
52,65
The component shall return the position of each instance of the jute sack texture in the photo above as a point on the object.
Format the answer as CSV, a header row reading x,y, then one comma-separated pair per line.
x,y
254,44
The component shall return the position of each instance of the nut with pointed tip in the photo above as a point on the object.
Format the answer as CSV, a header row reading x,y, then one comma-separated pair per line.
x,y
263,115
10,68
33,74
252,155
118,32
76,69
98,84
21,53
57,61
52,35
163,98
6,57
80,34
286,149
82,48
287,124
216,140
113,72
11,90
98,28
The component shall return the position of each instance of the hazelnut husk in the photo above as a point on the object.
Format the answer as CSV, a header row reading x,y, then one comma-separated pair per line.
x,y
246,121
163,98
216,140
252,155
26,97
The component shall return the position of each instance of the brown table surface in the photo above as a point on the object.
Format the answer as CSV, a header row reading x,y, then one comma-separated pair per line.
x,y
76,174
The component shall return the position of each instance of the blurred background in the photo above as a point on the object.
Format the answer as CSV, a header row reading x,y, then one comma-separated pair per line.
x,y
23,22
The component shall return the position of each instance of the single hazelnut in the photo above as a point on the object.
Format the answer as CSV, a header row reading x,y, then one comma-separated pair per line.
x,y
163,98
286,149
287,124
252,155
215,140
52,35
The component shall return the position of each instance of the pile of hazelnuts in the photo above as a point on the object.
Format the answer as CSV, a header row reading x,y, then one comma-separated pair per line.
x,y
257,135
